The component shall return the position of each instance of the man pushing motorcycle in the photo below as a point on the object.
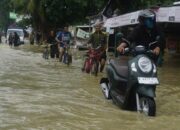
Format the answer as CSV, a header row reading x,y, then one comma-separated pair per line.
x,y
145,33
99,39
63,38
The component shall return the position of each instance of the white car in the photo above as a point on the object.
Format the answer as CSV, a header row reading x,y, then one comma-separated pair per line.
x,y
20,32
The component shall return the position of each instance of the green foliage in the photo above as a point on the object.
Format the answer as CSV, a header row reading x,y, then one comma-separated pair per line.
x,y
4,14
56,13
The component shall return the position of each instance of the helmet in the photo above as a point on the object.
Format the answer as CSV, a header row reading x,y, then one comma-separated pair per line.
x,y
147,18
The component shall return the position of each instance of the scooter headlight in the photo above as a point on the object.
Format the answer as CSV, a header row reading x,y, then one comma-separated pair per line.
x,y
145,64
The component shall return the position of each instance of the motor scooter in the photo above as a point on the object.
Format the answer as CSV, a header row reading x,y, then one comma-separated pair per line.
x,y
131,82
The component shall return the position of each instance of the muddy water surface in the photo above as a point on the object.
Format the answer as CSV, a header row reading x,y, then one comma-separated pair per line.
x,y
38,94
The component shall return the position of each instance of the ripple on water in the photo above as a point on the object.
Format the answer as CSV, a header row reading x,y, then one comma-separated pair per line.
x,y
38,94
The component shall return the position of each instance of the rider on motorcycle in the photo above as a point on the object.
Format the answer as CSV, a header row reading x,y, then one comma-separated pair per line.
x,y
146,32
98,38
63,38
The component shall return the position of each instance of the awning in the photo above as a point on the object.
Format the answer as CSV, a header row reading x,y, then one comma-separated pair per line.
x,y
163,14
122,20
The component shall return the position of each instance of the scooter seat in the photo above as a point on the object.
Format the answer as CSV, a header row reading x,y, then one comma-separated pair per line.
x,y
120,66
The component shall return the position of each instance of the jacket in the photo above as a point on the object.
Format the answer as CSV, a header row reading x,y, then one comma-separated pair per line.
x,y
141,36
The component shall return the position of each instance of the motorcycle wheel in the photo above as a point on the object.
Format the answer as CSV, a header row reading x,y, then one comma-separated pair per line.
x,y
148,106
68,59
87,66
65,58
94,69
45,55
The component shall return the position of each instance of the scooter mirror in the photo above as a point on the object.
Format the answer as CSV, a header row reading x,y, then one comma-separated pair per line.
x,y
126,50
157,38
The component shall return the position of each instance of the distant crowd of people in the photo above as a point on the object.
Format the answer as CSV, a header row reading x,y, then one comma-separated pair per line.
x,y
57,40
35,36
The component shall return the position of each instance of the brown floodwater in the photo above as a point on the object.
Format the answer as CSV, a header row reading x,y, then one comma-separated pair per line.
x,y
38,94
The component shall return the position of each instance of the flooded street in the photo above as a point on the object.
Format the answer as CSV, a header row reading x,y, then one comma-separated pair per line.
x,y
38,94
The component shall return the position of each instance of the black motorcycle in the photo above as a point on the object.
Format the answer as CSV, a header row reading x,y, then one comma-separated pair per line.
x,y
131,82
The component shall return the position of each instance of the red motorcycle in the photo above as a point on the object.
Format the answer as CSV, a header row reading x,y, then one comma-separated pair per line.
x,y
91,63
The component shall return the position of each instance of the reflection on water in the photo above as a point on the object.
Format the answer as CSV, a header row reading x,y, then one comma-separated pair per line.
x,y
38,94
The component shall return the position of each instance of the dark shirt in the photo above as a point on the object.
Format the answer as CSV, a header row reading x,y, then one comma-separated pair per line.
x,y
38,36
98,39
16,39
10,38
51,40
141,36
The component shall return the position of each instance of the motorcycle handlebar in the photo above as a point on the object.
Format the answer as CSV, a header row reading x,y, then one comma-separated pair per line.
x,y
133,52
150,44
97,48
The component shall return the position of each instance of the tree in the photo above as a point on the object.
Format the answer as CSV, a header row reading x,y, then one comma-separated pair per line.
x,y
4,14
47,14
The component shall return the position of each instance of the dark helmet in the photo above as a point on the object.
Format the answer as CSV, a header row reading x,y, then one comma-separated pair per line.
x,y
147,18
